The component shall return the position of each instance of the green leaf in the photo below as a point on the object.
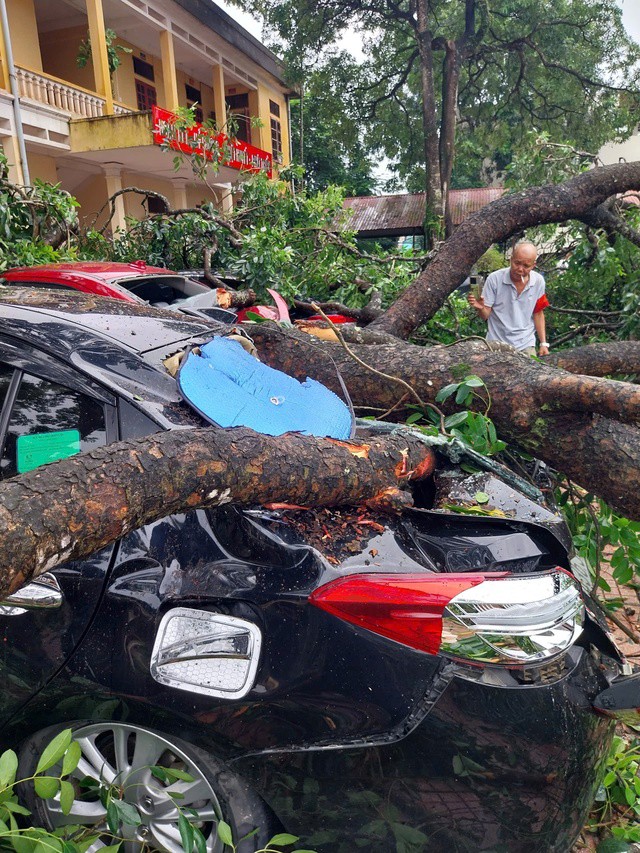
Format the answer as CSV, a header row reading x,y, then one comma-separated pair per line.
x,y
414,418
127,813
54,751
455,420
623,574
186,833
224,833
8,767
481,498
199,840
463,394
113,821
71,758
174,775
16,808
111,848
446,392
283,838
612,845
67,796
46,786
474,382
160,773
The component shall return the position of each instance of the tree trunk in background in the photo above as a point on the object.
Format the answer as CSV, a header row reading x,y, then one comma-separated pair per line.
x,y
434,204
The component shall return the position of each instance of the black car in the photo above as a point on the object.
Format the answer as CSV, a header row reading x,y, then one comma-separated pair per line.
x,y
425,682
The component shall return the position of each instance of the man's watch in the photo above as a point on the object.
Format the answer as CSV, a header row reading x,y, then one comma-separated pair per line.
x,y
544,344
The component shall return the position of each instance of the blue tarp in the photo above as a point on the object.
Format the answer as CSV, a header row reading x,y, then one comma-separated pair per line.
x,y
229,387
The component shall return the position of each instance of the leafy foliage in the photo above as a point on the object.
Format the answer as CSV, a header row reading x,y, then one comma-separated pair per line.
x,y
287,244
34,222
599,533
558,67
618,800
327,141
63,755
113,51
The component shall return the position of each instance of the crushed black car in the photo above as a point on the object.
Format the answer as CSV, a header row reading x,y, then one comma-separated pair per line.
x,y
365,682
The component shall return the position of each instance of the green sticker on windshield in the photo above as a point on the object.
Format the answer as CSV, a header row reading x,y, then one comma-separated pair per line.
x,y
42,447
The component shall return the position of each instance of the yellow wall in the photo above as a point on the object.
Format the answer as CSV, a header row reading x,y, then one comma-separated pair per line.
x,y
59,53
124,80
43,167
24,34
91,194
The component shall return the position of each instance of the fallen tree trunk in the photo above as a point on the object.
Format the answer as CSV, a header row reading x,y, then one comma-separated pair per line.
x,y
588,428
573,199
601,359
69,509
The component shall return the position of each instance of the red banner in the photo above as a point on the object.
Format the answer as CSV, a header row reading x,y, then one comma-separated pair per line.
x,y
204,142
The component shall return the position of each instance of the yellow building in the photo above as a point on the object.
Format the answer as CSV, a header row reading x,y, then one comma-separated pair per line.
x,y
93,131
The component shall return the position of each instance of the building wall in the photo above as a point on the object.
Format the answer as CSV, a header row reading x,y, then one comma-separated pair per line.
x,y
42,167
59,54
109,140
24,34
615,152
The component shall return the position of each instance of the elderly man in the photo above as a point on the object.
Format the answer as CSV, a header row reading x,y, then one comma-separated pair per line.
x,y
513,302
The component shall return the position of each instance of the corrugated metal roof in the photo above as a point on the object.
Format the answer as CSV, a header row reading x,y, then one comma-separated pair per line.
x,y
397,215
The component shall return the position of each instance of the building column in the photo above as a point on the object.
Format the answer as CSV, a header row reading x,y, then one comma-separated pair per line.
x,y
224,197
219,105
99,55
113,181
5,83
259,107
179,193
169,78
12,153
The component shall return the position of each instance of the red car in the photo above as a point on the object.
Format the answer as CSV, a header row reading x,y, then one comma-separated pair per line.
x,y
135,282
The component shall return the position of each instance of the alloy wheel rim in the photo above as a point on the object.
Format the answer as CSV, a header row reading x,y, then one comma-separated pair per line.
x,y
121,755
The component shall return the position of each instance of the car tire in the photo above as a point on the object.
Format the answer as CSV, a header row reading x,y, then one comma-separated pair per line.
x,y
121,754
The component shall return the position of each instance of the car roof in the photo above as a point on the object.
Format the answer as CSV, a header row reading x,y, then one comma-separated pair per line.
x,y
120,344
106,271
100,277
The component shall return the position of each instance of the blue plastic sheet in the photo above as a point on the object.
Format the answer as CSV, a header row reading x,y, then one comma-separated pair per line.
x,y
229,387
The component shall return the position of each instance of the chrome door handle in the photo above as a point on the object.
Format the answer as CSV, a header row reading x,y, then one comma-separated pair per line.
x,y
44,593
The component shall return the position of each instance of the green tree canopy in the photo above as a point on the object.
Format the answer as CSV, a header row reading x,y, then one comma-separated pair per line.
x,y
468,78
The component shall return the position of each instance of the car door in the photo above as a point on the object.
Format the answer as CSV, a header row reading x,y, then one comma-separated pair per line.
x,y
49,412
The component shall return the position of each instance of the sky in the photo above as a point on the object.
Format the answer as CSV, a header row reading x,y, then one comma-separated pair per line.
x,y
630,15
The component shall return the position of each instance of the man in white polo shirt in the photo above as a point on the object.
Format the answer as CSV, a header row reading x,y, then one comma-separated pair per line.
x,y
513,302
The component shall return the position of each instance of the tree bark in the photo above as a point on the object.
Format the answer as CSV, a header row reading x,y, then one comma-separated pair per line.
x,y
588,428
69,509
603,359
434,211
450,85
573,199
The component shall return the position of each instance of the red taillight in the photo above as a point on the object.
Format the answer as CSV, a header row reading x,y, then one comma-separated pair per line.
x,y
494,617
407,609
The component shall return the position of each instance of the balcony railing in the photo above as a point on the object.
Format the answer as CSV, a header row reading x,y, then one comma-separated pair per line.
x,y
62,96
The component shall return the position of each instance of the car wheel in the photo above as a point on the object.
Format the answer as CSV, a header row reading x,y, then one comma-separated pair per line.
x,y
121,755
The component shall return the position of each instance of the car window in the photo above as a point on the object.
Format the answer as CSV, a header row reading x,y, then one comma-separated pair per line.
x,y
47,422
6,373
